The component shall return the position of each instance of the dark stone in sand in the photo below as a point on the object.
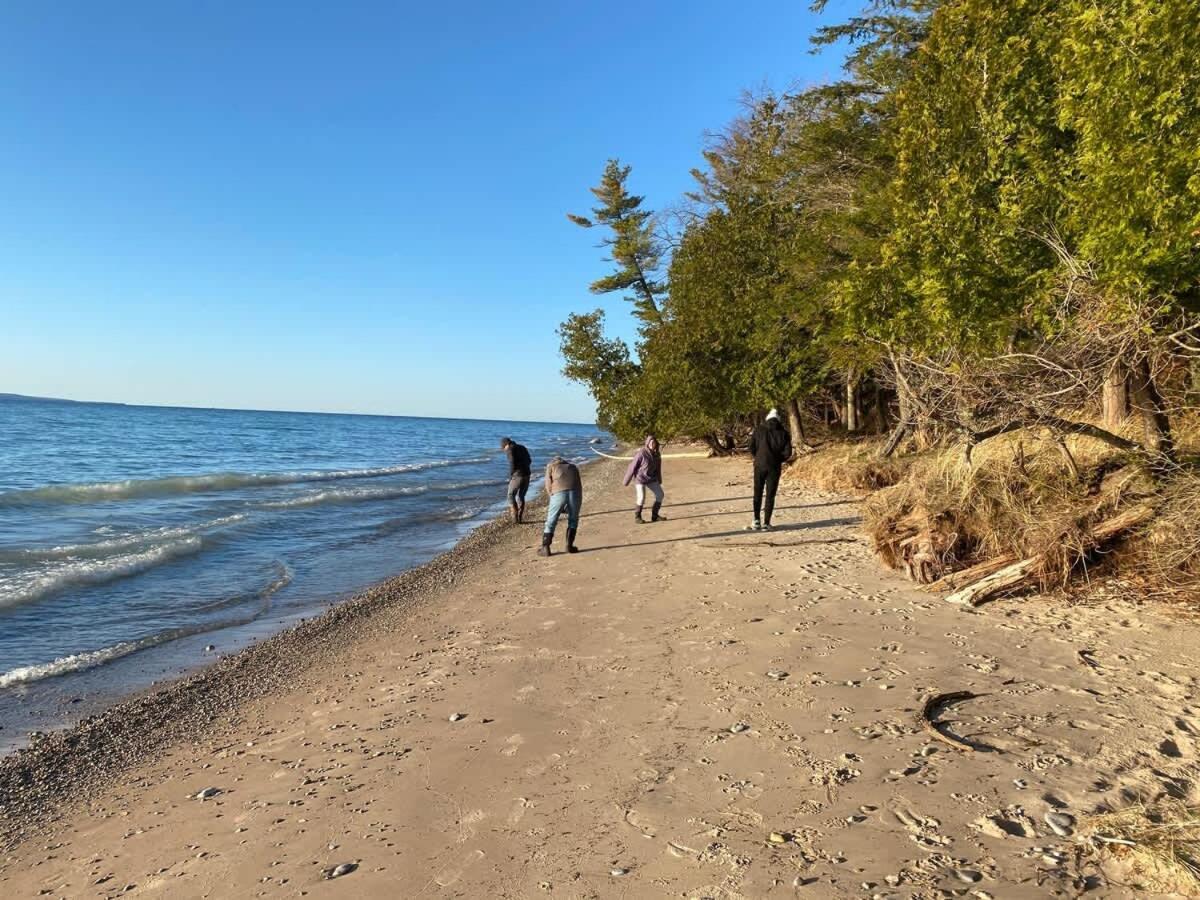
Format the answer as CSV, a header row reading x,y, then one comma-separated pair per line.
x,y
344,869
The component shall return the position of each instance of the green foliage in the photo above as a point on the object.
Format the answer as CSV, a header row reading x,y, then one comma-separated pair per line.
x,y
601,364
985,178
1131,96
632,243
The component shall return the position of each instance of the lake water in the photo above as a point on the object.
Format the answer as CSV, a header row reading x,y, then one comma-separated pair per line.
x,y
133,537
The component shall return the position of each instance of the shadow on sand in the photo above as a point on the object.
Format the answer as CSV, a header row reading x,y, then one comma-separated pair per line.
x,y
778,529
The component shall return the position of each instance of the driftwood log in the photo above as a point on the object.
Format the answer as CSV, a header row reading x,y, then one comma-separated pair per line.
x,y
929,709
1023,572
955,580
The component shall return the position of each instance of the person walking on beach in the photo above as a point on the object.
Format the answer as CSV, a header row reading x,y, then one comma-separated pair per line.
x,y
564,487
519,463
646,472
771,447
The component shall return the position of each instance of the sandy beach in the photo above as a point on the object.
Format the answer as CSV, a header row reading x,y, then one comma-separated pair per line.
x,y
682,710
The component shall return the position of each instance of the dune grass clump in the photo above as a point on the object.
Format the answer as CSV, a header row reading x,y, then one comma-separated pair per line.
x,y
1013,498
846,465
1154,848
1165,557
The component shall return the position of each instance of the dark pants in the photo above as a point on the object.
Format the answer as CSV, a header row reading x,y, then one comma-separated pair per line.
x,y
767,479
518,487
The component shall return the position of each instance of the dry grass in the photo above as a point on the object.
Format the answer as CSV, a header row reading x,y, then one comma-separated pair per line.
x,y
1015,497
1020,495
1156,848
853,466
1166,556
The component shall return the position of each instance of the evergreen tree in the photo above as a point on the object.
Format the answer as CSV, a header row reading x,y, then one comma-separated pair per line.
x,y
632,245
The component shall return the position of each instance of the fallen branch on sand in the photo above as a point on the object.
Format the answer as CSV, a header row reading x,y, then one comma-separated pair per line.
x,y
699,455
929,709
1085,657
1022,573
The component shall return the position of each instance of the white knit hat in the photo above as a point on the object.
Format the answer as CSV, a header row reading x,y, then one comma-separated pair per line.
x,y
773,414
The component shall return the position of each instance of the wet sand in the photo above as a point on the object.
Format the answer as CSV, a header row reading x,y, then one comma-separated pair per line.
x,y
684,709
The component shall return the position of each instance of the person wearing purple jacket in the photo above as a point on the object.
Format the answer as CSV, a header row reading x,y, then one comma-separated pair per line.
x,y
646,472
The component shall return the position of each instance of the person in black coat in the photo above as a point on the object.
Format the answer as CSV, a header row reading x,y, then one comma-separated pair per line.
x,y
519,463
771,447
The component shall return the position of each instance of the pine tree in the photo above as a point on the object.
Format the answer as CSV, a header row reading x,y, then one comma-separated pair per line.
x,y
633,246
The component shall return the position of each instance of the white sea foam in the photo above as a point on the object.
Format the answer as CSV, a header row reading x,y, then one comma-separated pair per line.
x,y
74,663
34,584
117,545
192,484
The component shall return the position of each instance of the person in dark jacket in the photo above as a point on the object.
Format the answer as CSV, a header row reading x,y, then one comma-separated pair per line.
x,y
519,463
564,488
646,472
771,447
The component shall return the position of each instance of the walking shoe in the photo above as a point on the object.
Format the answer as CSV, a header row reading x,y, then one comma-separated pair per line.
x,y
767,526
637,515
754,526
654,514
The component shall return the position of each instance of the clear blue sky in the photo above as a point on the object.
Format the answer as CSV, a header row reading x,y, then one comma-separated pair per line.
x,y
351,206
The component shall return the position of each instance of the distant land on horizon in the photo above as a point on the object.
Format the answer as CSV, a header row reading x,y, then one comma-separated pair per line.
x,y
4,396
27,398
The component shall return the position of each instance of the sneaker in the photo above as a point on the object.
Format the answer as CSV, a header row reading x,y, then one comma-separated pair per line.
x,y
767,527
754,526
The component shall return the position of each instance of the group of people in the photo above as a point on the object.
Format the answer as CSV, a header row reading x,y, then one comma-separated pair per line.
x,y
564,488
770,445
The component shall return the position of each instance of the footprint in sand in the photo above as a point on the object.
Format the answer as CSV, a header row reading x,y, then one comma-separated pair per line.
x,y
452,873
512,744
517,810
634,819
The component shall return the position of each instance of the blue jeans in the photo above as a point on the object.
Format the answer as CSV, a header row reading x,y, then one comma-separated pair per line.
x,y
571,501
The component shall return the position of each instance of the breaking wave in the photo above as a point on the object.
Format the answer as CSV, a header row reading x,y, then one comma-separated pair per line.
x,y
116,545
40,583
77,662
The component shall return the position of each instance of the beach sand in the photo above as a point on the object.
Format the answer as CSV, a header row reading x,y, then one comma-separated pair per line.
x,y
684,709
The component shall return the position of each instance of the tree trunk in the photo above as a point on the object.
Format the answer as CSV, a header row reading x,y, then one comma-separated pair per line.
x,y
852,411
1115,396
713,444
795,425
1154,413
894,441
882,411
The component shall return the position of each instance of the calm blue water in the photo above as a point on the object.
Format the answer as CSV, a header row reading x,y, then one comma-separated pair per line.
x,y
132,537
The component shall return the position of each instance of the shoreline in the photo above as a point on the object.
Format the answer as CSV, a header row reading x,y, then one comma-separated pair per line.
x,y
681,709
66,766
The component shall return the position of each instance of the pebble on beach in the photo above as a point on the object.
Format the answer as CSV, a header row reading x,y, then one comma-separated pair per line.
x,y
339,870
457,717
1061,824
206,793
